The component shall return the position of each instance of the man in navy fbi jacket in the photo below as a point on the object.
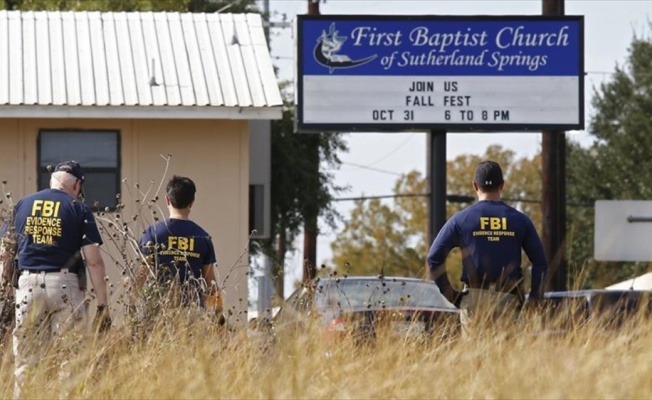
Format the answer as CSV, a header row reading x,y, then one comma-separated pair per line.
x,y
491,235
52,230
183,255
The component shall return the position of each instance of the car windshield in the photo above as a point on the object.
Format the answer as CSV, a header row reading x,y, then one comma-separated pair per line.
x,y
377,293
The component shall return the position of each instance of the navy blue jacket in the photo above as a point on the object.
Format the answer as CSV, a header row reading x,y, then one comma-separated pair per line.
x,y
181,245
52,226
491,235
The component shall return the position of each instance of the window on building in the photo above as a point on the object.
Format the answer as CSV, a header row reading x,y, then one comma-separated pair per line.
x,y
98,153
258,215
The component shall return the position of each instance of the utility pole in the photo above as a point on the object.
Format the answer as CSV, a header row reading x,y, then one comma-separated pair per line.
x,y
553,152
313,7
264,277
310,222
436,182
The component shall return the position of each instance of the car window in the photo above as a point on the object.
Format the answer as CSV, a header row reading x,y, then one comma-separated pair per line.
x,y
377,293
302,300
296,305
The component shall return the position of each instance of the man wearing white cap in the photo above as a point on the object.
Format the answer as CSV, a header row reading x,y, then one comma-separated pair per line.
x,y
53,230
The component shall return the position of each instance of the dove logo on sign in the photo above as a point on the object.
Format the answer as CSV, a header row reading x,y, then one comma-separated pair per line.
x,y
329,45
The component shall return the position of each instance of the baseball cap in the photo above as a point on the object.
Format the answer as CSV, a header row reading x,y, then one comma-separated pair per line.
x,y
488,174
73,168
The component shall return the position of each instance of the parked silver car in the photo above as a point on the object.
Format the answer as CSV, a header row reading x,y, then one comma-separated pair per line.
x,y
358,306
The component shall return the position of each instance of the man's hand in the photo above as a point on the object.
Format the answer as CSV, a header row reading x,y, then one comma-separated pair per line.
x,y
453,295
214,305
102,321
213,301
457,297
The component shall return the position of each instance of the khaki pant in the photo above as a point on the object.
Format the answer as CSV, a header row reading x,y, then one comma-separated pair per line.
x,y
495,302
481,307
46,305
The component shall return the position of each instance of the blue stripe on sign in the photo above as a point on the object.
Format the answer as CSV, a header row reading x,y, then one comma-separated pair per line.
x,y
441,47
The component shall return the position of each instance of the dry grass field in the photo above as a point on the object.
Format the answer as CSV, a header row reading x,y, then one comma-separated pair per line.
x,y
173,359
169,358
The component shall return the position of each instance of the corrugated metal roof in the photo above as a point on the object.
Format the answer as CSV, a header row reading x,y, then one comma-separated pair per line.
x,y
92,64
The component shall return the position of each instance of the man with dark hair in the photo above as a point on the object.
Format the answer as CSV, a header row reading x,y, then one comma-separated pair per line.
x,y
53,230
491,235
183,255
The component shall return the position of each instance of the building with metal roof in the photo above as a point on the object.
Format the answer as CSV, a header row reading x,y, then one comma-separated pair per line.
x,y
135,65
135,98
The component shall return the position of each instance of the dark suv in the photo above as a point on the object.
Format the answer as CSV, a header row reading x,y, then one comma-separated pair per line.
x,y
612,308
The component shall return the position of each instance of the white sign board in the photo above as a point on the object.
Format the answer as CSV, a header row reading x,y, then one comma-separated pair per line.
x,y
439,72
477,100
623,230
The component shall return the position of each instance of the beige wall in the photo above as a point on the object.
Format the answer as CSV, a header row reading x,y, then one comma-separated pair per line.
x,y
212,153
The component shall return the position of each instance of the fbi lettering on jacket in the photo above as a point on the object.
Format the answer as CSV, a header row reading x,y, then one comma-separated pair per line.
x,y
493,228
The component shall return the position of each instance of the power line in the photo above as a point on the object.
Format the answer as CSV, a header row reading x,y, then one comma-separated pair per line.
x,y
394,150
384,196
453,198
457,198
373,169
